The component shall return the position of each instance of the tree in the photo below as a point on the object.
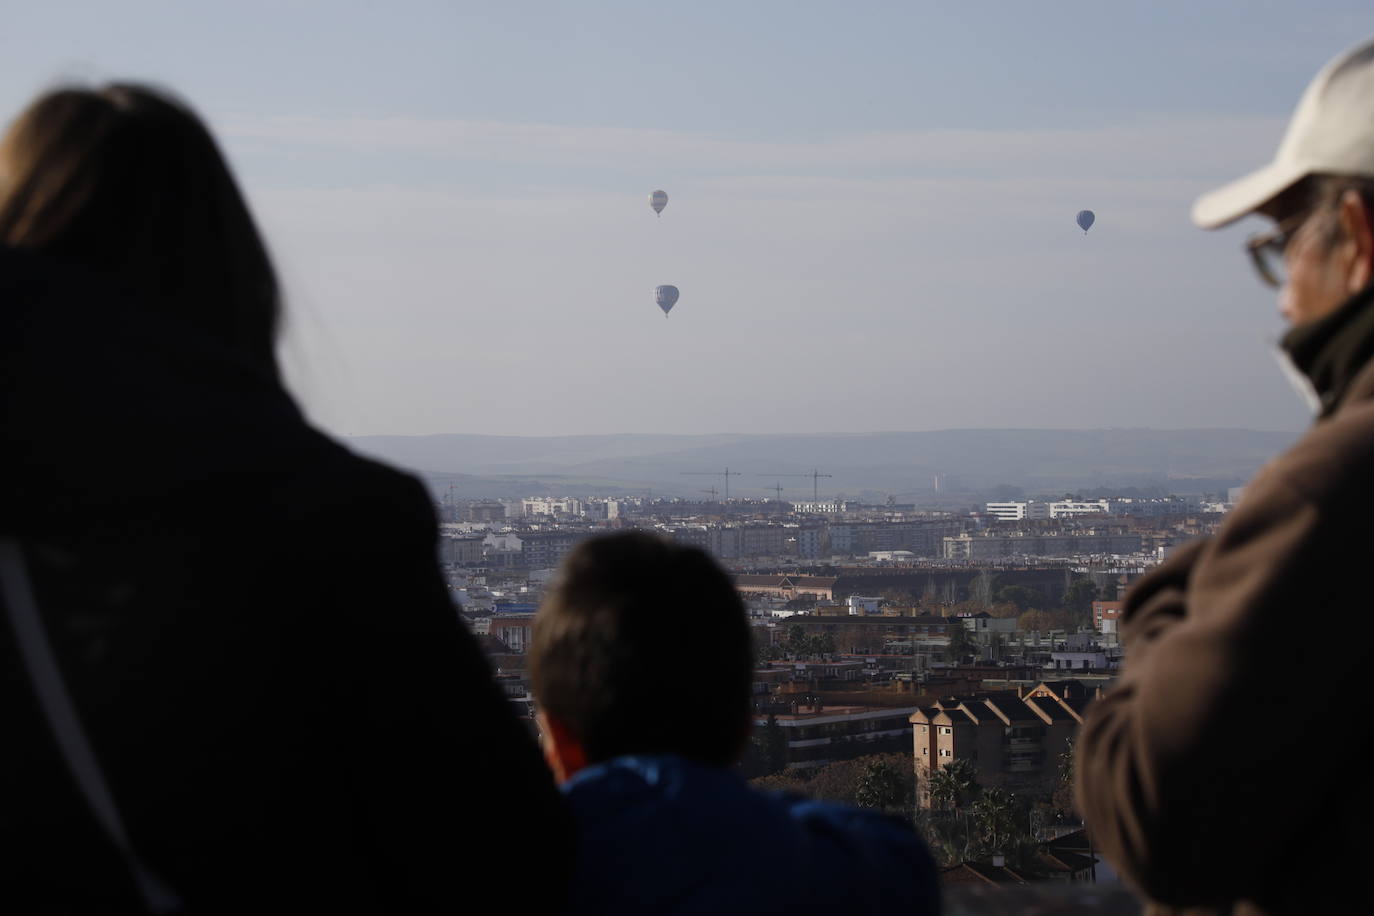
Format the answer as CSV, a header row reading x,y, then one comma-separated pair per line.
x,y
953,785
980,590
1044,621
1062,799
899,597
770,653
1079,598
840,781
929,594
882,786
1003,610
961,645
947,829
995,814
858,640
1024,598
766,752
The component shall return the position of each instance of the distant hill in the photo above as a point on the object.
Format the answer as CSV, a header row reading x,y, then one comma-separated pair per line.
x,y
901,464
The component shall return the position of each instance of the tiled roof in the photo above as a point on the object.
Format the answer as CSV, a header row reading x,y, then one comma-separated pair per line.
x,y
1051,708
760,581
1078,705
983,872
1015,709
1063,860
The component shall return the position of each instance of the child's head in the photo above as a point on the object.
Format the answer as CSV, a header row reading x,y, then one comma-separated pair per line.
x,y
641,647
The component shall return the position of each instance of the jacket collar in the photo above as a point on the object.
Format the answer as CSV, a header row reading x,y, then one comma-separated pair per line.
x,y
1334,352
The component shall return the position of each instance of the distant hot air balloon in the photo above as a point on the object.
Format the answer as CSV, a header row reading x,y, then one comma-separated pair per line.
x,y
666,297
1085,220
658,200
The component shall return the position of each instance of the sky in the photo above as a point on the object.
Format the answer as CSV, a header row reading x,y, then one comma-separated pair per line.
x,y
871,213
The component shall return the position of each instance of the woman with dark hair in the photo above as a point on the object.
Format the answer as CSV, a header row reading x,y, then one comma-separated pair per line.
x,y
126,181
246,620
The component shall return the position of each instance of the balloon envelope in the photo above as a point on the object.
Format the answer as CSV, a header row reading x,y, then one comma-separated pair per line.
x,y
658,200
666,297
1085,219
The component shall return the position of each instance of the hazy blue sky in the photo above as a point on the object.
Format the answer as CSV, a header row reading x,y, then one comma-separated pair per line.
x,y
871,218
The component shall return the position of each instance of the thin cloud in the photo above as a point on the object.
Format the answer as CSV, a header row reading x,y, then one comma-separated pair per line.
x,y
1146,149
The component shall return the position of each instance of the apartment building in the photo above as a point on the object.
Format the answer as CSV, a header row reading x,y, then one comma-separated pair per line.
x,y
1105,615
819,507
565,505
991,546
922,537
1070,508
1013,739
765,541
817,734
1016,511
787,587
461,550
488,510
546,549
812,541
515,630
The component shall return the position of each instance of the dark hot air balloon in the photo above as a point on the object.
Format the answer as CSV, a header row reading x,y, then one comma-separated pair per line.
x,y
666,297
658,200
1085,220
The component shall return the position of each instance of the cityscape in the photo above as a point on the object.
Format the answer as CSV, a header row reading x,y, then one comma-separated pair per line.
x,y
888,636
615,459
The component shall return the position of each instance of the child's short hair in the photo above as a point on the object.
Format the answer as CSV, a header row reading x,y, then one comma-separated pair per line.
x,y
642,647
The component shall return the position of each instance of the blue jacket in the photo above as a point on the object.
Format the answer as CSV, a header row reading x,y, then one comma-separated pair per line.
x,y
662,834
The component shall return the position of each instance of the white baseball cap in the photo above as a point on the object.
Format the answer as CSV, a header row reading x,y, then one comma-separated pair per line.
x,y
1332,131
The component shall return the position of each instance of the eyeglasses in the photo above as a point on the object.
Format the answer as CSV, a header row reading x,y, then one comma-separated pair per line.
x,y
1268,250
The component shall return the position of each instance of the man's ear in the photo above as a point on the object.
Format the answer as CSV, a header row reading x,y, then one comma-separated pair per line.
x,y
1356,218
562,750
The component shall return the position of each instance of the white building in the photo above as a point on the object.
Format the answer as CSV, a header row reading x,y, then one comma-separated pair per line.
x,y
548,505
819,507
1070,508
1019,511
858,604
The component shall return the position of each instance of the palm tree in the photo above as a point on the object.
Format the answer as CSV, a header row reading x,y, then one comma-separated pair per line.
x,y
953,784
995,814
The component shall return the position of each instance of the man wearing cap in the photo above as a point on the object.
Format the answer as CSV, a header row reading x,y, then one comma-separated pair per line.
x,y
1223,773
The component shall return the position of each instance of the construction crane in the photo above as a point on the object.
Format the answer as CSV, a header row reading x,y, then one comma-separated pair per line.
x,y
713,491
815,476
776,488
727,474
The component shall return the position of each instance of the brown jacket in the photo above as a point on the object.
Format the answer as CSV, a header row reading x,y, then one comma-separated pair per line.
x,y
1225,772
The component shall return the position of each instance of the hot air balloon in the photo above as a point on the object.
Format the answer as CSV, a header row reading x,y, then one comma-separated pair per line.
x,y
666,297
1085,220
658,200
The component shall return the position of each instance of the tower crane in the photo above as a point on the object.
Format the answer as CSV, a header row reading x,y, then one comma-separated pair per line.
x,y
815,476
727,474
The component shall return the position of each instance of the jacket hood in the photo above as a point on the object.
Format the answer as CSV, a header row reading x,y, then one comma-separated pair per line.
x,y
663,834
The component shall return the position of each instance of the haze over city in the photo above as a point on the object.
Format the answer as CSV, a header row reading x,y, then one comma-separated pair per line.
x,y
871,217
